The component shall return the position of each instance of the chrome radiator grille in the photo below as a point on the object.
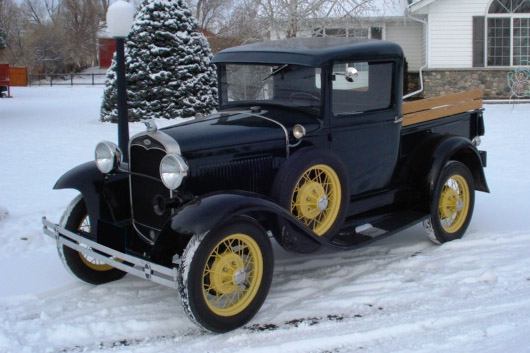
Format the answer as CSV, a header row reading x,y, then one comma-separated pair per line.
x,y
144,164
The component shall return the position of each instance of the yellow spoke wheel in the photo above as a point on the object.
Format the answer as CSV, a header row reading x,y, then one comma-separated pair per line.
x,y
452,202
87,260
316,198
225,274
82,266
453,205
232,275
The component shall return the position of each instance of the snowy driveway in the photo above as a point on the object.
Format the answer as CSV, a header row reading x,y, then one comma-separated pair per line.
x,y
402,294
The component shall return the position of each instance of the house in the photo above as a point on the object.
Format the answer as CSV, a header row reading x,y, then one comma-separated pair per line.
x,y
106,48
458,44
473,44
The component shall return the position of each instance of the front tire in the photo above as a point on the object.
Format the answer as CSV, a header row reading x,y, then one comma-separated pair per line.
x,y
84,267
452,204
225,275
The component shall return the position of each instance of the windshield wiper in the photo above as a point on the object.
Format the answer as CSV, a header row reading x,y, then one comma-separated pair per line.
x,y
275,71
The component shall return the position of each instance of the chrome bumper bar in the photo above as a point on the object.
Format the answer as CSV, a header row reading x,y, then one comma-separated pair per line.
x,y
126,263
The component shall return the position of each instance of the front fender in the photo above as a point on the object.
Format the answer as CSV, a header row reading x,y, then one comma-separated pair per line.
x,y
209,211
97,189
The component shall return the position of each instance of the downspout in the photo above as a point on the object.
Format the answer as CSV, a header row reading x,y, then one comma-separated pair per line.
x,y
426,25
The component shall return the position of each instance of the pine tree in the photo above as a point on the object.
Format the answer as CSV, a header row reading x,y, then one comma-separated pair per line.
x,y
168,69
3,43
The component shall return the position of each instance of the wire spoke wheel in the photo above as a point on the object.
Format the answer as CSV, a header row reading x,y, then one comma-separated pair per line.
x,y
232,274
86,268
453,205
316,198
225,274
89,261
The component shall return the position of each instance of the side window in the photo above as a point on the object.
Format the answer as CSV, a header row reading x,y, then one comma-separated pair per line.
x,y
369,88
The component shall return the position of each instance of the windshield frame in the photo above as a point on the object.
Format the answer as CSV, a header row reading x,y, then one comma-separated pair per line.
x,y
278,67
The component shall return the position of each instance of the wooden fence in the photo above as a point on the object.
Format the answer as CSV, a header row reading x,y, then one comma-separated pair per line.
x,y
18,76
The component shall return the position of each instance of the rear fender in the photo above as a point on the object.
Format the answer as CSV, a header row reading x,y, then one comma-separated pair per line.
x,y
103,194
431,156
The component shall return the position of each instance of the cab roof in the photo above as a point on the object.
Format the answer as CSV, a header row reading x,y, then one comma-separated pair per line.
x,y
314,52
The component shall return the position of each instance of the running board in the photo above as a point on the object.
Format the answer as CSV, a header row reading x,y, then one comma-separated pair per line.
x,y
353,234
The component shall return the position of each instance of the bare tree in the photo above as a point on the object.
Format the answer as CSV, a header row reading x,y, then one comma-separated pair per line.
x,y
210,14
289,16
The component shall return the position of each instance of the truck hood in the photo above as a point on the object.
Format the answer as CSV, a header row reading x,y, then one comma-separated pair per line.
x,y
239,127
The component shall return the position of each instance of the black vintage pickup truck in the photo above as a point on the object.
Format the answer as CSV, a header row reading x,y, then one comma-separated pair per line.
x,y
311,145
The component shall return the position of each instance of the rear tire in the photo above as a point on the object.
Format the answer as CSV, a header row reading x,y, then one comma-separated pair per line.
x,y
452,204
83,267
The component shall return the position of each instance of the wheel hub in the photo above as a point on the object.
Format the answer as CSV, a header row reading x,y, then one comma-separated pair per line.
x,y
227,273
311,200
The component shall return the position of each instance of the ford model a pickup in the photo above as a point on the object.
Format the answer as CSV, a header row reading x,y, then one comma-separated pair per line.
x,y
311,145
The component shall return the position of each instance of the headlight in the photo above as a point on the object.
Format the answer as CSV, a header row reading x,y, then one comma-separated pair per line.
x,y
173,170
108,156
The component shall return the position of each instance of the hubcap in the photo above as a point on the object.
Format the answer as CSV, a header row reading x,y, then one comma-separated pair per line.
x,y
323,203
232,275
316,198
453,205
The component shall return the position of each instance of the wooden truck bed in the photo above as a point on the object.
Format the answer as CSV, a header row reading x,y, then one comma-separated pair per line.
x,y
440,107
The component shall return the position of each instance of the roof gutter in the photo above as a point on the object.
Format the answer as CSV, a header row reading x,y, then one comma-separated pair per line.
x,y
426,24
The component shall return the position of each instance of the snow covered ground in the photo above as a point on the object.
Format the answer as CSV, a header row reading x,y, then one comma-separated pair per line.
x,y
403,294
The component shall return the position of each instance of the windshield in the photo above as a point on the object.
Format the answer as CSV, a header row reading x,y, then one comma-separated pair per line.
x,y
289,85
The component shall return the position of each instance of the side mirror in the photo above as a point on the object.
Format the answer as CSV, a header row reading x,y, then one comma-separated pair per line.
x,y
351,74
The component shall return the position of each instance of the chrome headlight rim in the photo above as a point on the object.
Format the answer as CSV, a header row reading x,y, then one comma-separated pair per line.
x,y
173,170
108,156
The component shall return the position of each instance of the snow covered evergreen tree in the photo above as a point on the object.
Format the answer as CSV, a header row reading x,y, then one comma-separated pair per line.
x,y
3,43
168,67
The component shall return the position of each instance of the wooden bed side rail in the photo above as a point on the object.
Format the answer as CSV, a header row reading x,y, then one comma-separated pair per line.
x,y
440,107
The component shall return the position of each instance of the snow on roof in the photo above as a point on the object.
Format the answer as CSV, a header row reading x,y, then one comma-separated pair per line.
x,y
385,8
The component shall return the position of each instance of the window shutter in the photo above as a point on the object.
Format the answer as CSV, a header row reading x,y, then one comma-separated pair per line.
x,y
478,41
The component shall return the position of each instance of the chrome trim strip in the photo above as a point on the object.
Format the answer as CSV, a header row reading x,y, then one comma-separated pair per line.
x,y
138,267
169,143
287,145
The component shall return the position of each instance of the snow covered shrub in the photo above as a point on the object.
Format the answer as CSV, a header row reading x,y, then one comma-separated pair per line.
x,y
169,73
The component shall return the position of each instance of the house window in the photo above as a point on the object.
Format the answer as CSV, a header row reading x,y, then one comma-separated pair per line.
x,y
521,45
508,33
357,32
499,41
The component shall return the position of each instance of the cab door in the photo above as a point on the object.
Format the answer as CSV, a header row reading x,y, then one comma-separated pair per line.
x,y
365,122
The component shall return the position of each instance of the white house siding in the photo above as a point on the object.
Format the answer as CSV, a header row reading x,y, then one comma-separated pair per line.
x,y
451,32
410,36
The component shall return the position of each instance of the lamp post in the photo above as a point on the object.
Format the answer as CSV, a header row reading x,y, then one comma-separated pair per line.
x,y
120,17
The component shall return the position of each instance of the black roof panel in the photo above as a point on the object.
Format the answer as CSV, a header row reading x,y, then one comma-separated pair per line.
x,y
312,52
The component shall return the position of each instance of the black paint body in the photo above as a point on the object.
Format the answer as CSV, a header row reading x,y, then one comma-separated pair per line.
x,y
234,156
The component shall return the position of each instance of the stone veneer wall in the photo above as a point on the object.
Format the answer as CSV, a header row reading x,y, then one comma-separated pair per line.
x,y
494,82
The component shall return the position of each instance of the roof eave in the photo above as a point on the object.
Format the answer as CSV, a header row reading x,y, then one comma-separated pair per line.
x,y
419,5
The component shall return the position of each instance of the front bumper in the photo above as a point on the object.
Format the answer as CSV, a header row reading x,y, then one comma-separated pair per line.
x,y
126,263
